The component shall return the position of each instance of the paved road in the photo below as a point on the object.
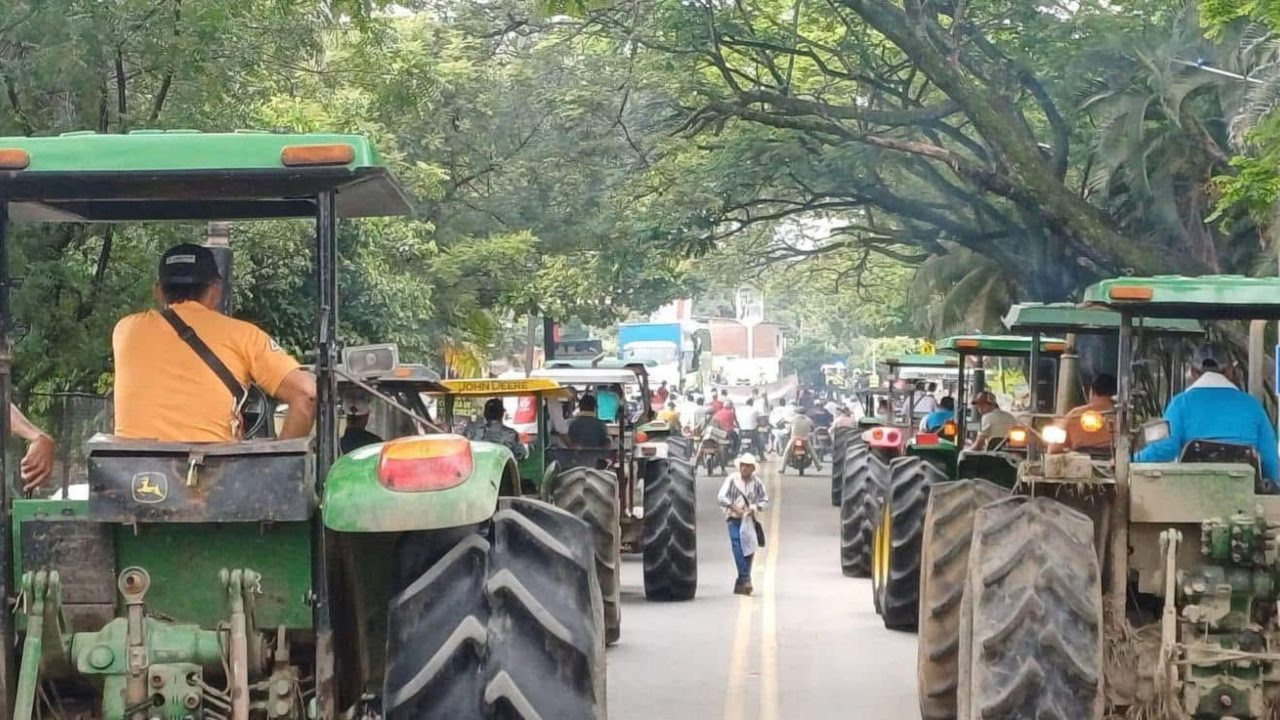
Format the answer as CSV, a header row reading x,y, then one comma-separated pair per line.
x,y
807,646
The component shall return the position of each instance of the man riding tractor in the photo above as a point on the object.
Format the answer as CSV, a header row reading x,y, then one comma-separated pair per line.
x,y
1080,479
208,576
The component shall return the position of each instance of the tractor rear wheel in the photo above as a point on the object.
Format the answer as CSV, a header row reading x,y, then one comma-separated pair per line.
x,y
670,531
592,495
497,620
839,446
1031,625
944,564
901,531
859,503
680,447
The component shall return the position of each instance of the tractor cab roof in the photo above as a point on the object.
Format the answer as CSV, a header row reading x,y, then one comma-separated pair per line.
x,y
1000,345
931,361
1209,297
1086,320
589,375
153,175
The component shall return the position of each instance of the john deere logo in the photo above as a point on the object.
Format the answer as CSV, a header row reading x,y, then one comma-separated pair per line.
x,y
150,488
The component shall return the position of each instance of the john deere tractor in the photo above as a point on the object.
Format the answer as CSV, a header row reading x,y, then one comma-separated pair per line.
x,y
1146,588
274,579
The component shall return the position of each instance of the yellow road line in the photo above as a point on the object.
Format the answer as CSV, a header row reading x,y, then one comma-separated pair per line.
x,y
769,623
735,699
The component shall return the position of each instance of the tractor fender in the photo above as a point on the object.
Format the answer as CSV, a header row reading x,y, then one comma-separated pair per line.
x,y
356,502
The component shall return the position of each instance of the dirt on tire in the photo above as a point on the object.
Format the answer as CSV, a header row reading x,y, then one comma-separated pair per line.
x,y
1031,625
944,565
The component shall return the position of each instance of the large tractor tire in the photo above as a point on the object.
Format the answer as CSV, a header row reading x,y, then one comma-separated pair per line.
x,y
670,531
498,620
859,508
839,446
1031,625
898,540
592,495
680,447
944,564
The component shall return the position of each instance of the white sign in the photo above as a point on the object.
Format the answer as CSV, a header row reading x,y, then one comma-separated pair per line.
x,y
749,304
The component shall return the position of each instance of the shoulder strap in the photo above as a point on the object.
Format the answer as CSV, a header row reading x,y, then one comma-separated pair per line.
x,y
189,336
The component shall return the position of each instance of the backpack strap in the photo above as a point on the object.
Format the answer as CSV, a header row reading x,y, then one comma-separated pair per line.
x,y
193,341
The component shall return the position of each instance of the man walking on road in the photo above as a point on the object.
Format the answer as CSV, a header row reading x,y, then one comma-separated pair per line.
x,y
741,497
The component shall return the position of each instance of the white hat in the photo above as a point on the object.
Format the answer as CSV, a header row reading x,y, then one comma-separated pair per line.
x,y
746,459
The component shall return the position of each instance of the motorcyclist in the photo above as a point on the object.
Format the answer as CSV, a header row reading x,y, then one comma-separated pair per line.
x,y
844,418
802,428
727,420
821,416
494,431
1213,408
748,417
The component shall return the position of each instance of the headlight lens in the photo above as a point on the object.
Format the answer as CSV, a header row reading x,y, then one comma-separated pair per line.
x,y
1055,435
1092,421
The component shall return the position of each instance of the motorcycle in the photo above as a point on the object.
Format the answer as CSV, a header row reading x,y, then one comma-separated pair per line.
x,y
712,452
822,442
799,457
760,437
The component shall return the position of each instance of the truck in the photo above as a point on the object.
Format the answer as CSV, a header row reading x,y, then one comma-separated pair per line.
x,y
667,344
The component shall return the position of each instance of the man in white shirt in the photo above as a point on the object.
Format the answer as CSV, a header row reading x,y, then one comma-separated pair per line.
x,y
995,422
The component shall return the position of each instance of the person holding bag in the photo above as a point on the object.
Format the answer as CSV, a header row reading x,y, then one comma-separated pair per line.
x,y
742,497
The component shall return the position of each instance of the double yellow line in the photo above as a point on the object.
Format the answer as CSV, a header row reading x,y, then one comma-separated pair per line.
x,y
765,572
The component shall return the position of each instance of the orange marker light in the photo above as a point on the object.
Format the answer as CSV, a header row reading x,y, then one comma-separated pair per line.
x,y
14,159
424,463
1017,437
302,155
642,436
1055,347
1131,292
967,343
949,429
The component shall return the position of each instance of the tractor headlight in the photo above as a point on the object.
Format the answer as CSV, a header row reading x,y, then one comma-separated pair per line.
x,y
1092,421
1054,435
1017,437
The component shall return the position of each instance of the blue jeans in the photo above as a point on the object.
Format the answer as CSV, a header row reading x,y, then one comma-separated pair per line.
x,y
735,542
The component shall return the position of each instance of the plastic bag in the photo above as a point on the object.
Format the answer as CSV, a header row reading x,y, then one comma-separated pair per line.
x,y
747,533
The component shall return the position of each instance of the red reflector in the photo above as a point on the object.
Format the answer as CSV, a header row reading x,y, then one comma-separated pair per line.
x,y
926,438
894,437
424,463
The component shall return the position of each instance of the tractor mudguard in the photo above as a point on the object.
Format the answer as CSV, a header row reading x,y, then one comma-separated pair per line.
x,y
355,501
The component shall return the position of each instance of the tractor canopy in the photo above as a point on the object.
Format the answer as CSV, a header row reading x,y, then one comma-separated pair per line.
x,y
1059,318
1209,297
151,175
932,361
1000,345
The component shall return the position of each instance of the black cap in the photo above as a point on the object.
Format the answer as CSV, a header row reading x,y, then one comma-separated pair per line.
x,y
188,264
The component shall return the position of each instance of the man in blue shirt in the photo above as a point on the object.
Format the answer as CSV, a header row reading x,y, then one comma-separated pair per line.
x,y
1213,408
934,421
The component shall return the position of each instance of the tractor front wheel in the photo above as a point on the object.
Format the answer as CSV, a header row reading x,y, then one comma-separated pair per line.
x,y
944,564
592,496
670,531
864,476
498,620
1030,642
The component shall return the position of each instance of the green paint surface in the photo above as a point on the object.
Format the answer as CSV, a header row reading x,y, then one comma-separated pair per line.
x,y
1086,320
354,500
159,151
1208,297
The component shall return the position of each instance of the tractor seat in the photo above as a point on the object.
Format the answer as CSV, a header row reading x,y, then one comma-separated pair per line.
x,y
147,481
1210,451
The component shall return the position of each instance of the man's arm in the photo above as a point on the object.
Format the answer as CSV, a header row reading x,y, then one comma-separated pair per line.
x,y
298,391
37,464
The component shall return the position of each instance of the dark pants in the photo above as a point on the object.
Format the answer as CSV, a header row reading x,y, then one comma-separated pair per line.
x,y
735,542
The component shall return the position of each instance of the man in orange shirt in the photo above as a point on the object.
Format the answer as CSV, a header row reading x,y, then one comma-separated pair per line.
x,y
164,389
1101,391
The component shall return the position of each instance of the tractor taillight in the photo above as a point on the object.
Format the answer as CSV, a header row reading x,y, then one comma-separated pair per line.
x,y
425,462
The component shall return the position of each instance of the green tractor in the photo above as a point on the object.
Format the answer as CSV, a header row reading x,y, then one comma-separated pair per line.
x,y
895,508
952,504
266,579
653,477
1105,554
